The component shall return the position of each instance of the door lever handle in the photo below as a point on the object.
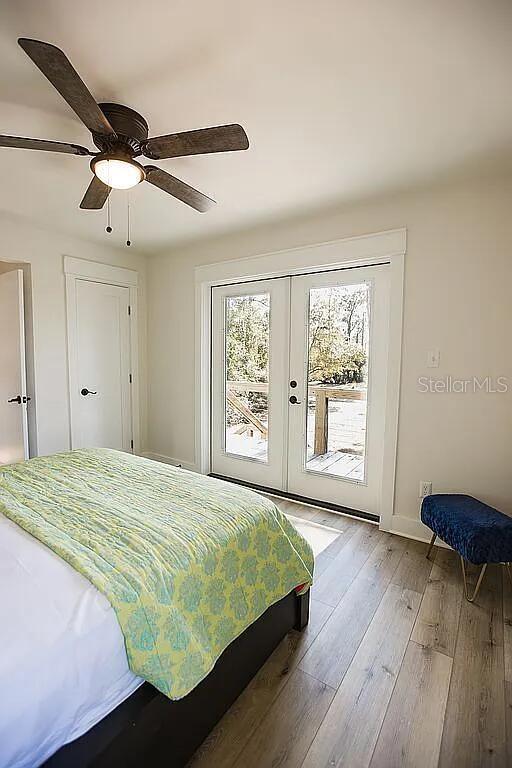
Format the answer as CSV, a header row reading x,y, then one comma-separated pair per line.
x,y
86,391
294,401
15,400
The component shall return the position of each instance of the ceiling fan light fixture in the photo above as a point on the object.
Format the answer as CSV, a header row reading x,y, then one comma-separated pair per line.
x,y
116,172
120,134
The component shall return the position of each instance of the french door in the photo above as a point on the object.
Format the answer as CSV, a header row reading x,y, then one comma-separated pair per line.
x,y
299,369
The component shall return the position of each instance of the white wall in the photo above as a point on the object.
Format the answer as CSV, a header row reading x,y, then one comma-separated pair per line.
x,y
457,298
45,252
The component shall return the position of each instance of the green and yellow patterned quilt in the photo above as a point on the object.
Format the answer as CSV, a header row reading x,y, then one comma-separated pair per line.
x,y
186,561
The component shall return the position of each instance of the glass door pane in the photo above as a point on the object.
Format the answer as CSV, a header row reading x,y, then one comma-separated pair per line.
x,y
250,336
338,337
247,375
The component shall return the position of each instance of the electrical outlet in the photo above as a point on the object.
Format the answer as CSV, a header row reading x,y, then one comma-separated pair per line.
x,y
425,488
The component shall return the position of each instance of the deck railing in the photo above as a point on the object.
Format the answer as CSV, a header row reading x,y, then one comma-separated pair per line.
x,y
322,394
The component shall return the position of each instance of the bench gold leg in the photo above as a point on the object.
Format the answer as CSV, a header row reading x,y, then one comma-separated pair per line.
x,y
478,583
431,545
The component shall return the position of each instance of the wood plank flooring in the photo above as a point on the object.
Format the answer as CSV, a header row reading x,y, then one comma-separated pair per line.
x,y
338,463
394,669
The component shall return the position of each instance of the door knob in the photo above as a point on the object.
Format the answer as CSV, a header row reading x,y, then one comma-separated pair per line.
x,y
86,391
16,399
294,401
293,383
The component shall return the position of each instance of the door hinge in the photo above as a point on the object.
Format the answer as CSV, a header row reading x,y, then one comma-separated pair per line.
x,y
129,310
130,378
131,444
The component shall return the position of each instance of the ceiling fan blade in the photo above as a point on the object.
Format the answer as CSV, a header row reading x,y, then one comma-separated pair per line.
x,y
221,138
19,142
178,188
96,195
55,65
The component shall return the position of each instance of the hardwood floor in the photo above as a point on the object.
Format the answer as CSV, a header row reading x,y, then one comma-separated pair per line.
x,y
394,669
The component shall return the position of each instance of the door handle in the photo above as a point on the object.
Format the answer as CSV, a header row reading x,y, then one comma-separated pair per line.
x,y
86,391
16,399
294,401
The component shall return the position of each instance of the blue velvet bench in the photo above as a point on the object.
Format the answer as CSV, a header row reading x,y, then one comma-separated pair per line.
x,y
479,533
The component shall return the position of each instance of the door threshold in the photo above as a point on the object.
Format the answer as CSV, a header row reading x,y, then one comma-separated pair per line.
x,y
327,505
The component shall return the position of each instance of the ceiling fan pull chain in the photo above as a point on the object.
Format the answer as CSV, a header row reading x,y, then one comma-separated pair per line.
x,y
108,228
128,241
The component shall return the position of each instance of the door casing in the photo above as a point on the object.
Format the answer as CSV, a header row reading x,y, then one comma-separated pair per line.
x,y
388,247
80,269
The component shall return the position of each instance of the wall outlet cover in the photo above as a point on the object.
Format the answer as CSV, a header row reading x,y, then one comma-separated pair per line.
x,y
425,488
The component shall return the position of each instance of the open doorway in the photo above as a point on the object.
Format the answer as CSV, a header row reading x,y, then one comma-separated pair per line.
x,y
17,406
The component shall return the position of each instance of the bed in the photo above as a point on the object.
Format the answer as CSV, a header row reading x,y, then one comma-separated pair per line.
x,y
72,689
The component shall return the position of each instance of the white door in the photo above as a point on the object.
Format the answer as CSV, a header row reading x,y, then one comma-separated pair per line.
x,y
100,372
13,385
299,373
338,369
249,370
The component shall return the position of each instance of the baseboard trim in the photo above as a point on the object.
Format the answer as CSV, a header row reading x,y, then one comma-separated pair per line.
x,y
413,529
169,460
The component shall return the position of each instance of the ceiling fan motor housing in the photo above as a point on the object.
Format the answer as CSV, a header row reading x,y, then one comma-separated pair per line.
x,y
130,127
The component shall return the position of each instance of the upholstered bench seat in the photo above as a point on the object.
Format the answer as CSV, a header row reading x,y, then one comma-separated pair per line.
x,y
478,532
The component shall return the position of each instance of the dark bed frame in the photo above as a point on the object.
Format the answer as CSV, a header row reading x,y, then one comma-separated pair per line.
x,y
150,729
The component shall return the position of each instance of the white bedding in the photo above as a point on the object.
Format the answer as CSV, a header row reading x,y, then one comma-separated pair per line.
x,y
63,663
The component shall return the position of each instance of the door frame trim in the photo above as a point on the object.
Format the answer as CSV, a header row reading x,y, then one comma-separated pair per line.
x,y
387,247
96,272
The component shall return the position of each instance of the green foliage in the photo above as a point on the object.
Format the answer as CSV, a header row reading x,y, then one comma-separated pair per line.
x,y
338,328
247,320
342,363
247,328
338,331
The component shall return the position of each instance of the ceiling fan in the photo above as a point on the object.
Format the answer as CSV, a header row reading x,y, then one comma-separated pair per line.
x,y
121,135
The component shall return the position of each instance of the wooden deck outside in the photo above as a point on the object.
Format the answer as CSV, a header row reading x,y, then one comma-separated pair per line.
x,y
323,394
346,462
346,465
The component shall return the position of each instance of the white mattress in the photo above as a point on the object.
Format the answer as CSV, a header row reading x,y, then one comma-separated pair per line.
x,y
63,663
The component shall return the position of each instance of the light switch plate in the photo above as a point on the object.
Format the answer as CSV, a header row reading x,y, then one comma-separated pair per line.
x,y
433,358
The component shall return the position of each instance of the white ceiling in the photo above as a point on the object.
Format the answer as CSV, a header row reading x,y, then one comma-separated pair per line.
x,y
339,98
